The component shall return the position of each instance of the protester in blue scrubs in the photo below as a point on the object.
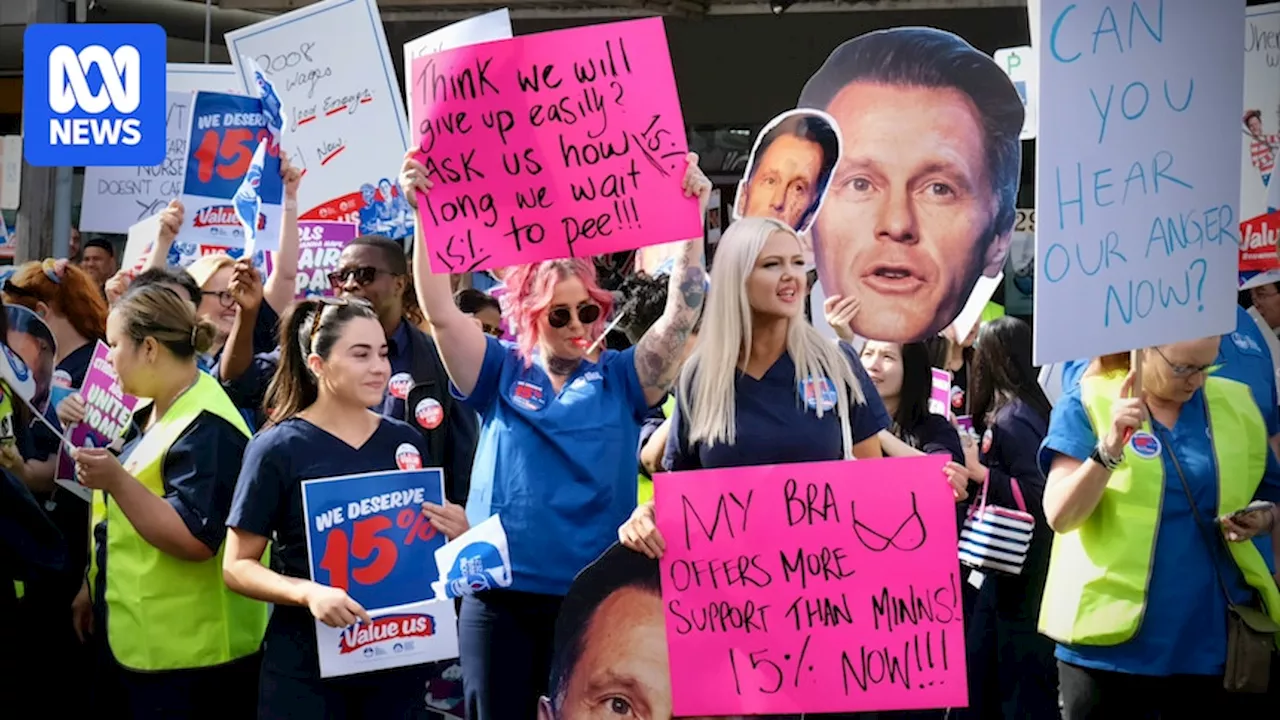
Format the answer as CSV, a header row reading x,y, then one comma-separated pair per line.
x,y
333,368
1243,356
1176,657
556,455
742,399
1011,669
774,391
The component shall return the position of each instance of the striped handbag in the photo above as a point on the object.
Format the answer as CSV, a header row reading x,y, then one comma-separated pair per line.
x,y
997,538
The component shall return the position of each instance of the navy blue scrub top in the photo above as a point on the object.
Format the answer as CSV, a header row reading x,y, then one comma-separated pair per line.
x,y
268,502
71,371
776,423
199,472
1184,630
934,435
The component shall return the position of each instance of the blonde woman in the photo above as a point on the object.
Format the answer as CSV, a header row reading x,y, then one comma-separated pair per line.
x,y
762,386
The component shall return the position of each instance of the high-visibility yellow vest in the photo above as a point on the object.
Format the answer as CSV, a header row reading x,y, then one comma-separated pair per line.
x,y
1096,592
645,492
164,613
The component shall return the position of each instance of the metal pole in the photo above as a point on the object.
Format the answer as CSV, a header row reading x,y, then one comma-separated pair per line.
x,y
208,28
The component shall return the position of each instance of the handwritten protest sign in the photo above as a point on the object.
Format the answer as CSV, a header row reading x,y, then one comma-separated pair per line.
x,y
560,144
347,130
225,132
812,588
107,413
320,245
1140,188
367,535
484,28
1259,186
117,197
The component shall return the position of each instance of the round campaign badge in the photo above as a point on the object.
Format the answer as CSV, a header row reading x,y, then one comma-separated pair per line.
x,y
408,457
1145,445
61,378
429,413
820,391
957,397
986,441
400,385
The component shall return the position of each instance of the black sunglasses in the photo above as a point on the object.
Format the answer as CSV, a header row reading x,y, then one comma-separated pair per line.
x,y
493,330
561,316
363,275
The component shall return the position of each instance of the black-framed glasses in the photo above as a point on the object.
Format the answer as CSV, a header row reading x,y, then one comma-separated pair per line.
x,y
1186,371
225,298
561,315
363,275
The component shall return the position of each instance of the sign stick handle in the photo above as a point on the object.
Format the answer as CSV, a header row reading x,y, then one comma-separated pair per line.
x,y
40,416
1135,362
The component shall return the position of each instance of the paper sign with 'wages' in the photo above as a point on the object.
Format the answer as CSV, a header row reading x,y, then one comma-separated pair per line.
x,y
812,588
561,144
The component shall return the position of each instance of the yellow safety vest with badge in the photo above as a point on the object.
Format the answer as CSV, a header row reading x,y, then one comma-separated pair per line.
x,y
1096,591
645,491
164,613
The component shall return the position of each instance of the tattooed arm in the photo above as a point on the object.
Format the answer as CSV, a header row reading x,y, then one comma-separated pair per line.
x,y
660,351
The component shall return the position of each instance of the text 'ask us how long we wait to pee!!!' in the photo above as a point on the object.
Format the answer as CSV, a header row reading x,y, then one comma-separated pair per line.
x,y
564,144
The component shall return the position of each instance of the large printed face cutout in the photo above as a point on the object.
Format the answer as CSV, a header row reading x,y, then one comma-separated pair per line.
x,y
789,169
611,646
33,343
922,202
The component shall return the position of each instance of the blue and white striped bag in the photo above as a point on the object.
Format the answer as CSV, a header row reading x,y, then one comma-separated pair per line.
x,y
997,538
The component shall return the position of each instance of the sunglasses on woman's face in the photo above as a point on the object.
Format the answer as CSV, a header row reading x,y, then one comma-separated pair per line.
x,y
561,315
493,330
363,275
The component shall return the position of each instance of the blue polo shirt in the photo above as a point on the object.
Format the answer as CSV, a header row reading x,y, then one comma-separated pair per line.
x,y
559,469
1184,629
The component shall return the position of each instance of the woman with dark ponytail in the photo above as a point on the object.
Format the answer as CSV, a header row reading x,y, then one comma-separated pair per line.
x,y
333,368
164,619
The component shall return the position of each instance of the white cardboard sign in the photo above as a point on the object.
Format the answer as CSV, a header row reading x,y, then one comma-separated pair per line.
x,y
1137,174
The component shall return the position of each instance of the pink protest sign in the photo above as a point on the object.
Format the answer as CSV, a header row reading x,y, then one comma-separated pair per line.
x,y
560,144
107,411
320,244
940,393
812,588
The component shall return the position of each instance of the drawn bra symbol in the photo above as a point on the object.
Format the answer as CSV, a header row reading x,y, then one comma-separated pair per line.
x,y
909,535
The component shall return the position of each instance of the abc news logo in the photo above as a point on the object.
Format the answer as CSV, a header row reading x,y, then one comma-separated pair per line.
x,y
69,89
94,95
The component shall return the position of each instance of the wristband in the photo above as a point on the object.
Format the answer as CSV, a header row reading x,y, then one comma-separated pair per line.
x,y
1103,458
291,205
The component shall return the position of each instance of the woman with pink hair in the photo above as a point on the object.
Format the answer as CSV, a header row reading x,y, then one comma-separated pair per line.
x,y
556,454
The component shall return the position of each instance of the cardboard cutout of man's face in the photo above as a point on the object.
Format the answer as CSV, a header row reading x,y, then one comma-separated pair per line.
x,y
916,211
790,169
33,342
621,668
